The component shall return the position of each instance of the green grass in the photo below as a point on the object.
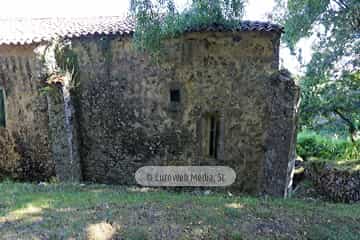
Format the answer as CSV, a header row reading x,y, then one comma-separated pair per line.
x,y
60,211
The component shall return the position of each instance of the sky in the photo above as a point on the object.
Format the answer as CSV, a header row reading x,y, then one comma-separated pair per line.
x,y
255,10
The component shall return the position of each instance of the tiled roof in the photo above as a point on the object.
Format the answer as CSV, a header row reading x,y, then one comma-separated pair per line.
x,y
33,30
242,26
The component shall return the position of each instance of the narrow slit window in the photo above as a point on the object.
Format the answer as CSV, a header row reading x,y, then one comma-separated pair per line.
x,y
214,125
2,108
175,96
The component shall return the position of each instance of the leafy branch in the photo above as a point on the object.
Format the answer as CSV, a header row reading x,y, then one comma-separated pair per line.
x,y
160,20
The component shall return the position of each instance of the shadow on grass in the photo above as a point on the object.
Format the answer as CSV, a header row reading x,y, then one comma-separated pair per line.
x,y
63,211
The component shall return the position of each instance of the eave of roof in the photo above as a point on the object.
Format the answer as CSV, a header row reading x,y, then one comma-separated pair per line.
x,y
22,31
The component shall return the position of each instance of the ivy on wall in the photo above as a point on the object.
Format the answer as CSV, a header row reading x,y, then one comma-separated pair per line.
x,y
67,60
61,63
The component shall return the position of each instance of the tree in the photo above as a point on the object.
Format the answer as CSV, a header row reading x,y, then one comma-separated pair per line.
x,y
337,101
331,83
158,20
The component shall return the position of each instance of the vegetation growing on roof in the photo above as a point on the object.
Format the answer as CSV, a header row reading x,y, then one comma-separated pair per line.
x,y
159,20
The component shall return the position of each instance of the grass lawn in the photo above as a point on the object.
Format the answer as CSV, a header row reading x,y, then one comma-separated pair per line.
x,y
58,211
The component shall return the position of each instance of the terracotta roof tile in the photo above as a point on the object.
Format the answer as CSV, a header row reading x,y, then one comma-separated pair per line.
x,y
243,26
33,30
26,31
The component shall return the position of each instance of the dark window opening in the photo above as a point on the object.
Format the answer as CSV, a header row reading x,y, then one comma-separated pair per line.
x,y
2,108
175,95
214,136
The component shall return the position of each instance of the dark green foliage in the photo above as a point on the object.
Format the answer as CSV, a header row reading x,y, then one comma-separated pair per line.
x,y
2,108
160,20
51,90
67,61
332,105
330,87
236,236
310,144
339,20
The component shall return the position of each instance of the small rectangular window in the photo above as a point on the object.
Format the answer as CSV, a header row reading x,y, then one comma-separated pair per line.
x,y
175,95
2,108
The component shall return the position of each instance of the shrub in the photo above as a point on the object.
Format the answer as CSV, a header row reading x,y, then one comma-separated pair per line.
x,y
310,144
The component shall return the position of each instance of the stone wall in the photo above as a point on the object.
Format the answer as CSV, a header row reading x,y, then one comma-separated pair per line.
x,y
132,111
67,169
335,184
282,101
127,119
24,145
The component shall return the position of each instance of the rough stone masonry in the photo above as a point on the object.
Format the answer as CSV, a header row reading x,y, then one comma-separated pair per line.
x,y
217,97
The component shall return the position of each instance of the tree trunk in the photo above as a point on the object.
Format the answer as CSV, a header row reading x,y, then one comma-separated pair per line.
x,y
349,123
